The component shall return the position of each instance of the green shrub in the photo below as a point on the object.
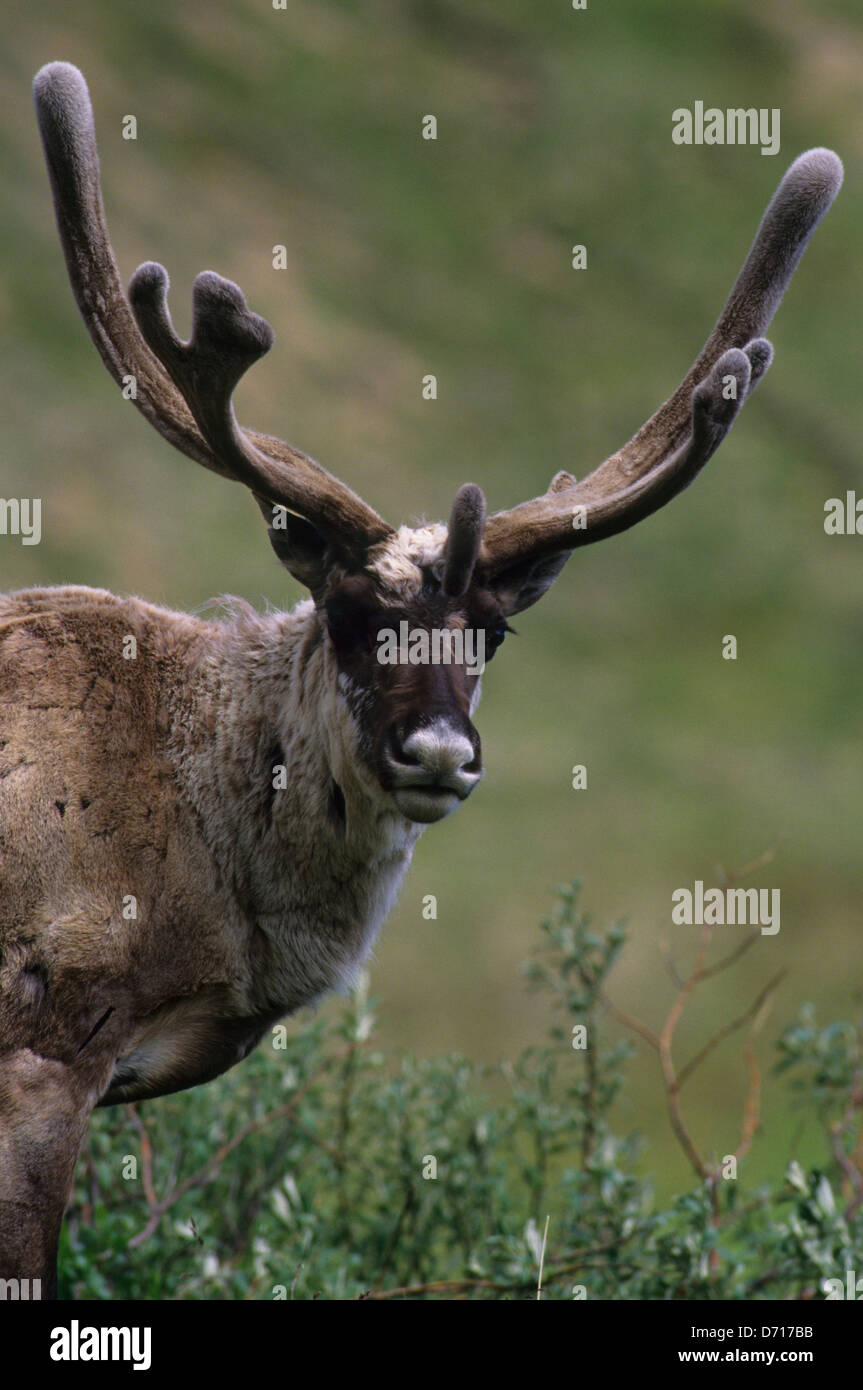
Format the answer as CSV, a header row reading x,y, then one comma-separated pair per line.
x,y
309,1171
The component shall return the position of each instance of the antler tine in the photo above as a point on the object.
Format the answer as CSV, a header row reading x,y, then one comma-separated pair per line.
x,y
184,389
674,444
65,119
227,338
464,539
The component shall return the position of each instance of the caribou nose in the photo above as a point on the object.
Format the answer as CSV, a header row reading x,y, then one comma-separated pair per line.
x,y
444,757
433,768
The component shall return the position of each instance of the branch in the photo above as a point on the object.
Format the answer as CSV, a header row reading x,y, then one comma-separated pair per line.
x,y
146,1156
729,1028
211,1167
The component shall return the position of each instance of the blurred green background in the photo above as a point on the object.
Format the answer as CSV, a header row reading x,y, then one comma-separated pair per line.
x,y
302,126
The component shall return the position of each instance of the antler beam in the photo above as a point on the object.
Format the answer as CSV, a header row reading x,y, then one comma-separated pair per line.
x,y
675,443
184,389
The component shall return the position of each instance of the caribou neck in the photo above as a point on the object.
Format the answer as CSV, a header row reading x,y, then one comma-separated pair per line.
x,y
294,822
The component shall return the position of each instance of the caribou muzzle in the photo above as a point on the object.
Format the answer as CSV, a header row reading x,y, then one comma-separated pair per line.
x,y
433,767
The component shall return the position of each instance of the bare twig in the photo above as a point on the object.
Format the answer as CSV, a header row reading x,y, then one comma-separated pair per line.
x,y
672,1085
729,1028
146,1156
213,1164
467,1285
542,1260
751,1106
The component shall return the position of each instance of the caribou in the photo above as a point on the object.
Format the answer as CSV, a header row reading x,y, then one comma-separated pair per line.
x,y
205,821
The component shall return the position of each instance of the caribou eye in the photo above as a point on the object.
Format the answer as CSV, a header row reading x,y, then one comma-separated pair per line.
x,y
494,635
352,621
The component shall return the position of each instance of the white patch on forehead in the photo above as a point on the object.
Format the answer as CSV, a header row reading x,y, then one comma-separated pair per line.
x,y
399,560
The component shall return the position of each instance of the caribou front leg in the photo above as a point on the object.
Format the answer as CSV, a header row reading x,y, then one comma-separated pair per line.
x,y
44,1109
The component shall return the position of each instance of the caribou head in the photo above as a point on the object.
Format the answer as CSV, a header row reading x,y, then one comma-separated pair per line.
x,y
412,719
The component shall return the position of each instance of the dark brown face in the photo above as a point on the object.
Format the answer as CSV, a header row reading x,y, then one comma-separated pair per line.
x,y
411,678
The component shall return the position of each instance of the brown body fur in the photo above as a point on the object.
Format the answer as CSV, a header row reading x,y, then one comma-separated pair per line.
x,y
151,779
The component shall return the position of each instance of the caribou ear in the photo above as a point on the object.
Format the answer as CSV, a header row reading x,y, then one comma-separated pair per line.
x,y
299,545
522,584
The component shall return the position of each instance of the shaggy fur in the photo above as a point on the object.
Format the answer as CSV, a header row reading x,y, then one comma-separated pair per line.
x,y
161,904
